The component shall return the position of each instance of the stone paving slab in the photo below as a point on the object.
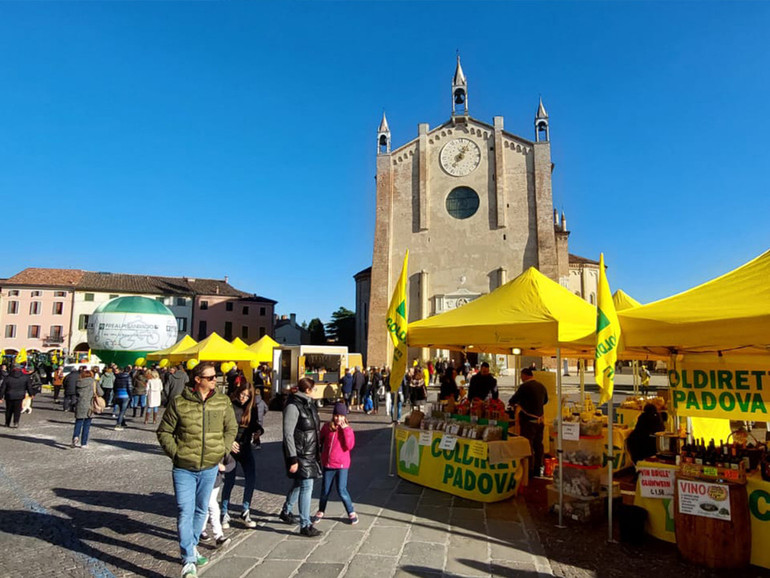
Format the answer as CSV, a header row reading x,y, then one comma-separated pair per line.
x,y
368,566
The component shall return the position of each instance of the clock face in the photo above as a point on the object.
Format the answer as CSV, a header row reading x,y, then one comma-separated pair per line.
x,y
460,157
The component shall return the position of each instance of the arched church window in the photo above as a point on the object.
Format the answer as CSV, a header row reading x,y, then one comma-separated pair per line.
x,y
462,202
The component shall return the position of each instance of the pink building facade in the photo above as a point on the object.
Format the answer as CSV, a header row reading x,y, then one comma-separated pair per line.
x,y
35,318
231,316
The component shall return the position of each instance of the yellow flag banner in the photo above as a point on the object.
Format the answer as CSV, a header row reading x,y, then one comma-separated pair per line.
x,y
22,356
397,322
607,336
722,387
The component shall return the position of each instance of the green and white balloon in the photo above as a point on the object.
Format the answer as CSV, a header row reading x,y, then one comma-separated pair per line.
x,y
126,328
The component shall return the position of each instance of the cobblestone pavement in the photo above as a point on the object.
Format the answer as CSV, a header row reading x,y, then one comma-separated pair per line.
x,y
108,511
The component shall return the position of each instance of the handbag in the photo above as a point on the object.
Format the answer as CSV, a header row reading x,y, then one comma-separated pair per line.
x,y
97,403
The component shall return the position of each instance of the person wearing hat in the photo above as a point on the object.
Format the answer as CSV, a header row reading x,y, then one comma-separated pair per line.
x,y
337,439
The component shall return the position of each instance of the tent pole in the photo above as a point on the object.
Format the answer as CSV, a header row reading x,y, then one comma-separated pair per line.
x,y
559,449
582,366
392,444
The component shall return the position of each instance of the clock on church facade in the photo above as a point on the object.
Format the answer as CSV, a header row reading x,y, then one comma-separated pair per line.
x,y
472,203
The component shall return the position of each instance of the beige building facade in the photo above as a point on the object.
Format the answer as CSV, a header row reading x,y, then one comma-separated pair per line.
x,y
472,203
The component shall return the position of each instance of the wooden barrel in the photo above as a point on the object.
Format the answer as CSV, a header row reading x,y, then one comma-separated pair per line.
x,y
712,542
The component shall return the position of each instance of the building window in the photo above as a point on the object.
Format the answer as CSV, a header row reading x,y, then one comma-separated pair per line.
x,y
13,307
161,299
244,332
181,323
58,308
34,331
592,298
228,330
37,293
181,301
34,308
83,322
229,306
204,305
88,297
10,331
246,310
13,293
56,332
462,202
60,294
261,311
201,330
262,331
114,296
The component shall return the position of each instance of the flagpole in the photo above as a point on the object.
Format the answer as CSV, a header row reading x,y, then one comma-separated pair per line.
x,y
559,449
610,463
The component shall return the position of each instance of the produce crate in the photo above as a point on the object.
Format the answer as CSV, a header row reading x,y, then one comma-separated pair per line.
x,y
580,481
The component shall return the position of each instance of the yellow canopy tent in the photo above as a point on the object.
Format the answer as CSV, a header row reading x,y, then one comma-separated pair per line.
x,y
532,313
623,301
214,348
264,348
728,314
238,342
180,345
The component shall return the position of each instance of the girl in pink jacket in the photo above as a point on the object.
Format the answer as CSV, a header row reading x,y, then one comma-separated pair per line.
x,y
337,439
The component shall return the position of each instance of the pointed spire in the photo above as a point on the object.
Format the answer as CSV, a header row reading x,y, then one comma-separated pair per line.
x,y
541,113
459,79
384,124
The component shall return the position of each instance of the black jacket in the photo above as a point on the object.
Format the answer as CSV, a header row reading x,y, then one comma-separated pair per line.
x,y
359,380
71,383
174,385
301,436
15,386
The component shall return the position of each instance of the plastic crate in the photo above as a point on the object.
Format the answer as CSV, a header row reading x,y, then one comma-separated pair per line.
x,y
580,481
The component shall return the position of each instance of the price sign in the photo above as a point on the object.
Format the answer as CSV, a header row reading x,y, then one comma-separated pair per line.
x,y
656,482
426,438
570,431
710,471
448,442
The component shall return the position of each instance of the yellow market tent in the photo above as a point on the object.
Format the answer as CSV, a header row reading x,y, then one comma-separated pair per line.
x,y
623,300
264,348
214,348
728,314
532,313
238,342
180,345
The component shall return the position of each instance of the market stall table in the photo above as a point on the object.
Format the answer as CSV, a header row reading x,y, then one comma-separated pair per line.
x,y
473,469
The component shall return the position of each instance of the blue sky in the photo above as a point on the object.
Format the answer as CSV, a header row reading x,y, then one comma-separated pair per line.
x,y
238,138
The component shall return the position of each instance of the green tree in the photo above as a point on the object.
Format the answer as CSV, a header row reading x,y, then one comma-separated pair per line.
x,y
317,332
342,328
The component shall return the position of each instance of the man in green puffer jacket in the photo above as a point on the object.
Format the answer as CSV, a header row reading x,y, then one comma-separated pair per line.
x,y
197,430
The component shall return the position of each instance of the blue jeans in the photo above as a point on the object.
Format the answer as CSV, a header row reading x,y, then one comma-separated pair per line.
x,y
302,489
341,478
138,400
245,458
122,404
84,426
192,490
395,411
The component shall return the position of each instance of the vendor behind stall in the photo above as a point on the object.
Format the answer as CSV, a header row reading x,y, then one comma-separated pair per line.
x,y
641,442
531,398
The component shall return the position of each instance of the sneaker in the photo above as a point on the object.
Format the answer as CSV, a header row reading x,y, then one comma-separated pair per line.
x,y
75,442
222,541
353,519
200,560
246,519
204,536
118,428
310,531
189,570
226,521
287,517
84,447
317,518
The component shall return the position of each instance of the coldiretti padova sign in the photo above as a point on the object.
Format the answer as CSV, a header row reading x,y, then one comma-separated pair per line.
x,y
735,388
456,471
